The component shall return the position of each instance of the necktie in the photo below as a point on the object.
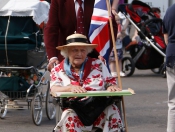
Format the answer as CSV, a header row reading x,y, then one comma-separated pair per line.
x,y
80,20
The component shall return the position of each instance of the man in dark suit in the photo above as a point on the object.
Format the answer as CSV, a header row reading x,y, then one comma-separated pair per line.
x,y
62,23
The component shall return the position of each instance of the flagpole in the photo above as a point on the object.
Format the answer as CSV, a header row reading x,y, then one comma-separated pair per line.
x,y
114,46
116,58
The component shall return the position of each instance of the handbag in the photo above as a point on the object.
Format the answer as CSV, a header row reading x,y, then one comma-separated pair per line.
x,y
89,109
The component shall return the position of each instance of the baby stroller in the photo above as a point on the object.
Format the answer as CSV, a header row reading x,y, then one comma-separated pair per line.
x,y
23,60
149,53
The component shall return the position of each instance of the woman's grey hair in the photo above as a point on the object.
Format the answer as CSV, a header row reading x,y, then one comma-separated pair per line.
x,y
64,51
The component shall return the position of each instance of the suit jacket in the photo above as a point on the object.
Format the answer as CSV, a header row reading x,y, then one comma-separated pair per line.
x,y
62,23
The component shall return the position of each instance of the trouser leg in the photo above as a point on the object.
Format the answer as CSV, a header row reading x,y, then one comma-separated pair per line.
x,y
171,99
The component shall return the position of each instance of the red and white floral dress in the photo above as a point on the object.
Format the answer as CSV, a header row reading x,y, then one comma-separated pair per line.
x,y
98,79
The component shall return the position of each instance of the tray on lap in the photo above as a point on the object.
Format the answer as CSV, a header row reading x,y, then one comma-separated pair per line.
x,y
127,92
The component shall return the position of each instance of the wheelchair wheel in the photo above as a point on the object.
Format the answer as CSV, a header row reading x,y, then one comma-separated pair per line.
x,y
50,107
36,108
128,66
3,110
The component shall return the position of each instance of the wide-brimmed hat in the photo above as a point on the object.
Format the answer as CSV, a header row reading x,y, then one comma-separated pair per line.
x,y
76,40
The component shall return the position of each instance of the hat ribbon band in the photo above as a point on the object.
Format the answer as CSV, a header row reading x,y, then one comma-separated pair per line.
x,y
72,40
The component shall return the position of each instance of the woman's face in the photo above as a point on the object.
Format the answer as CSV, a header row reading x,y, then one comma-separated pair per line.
x,y
77,55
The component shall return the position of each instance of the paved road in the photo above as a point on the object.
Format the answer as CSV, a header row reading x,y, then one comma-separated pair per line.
x,y
146,111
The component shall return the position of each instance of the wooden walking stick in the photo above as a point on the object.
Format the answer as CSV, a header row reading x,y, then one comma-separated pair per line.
x,y
116,58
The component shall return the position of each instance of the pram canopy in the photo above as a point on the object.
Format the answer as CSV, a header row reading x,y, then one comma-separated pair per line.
x,y
138,10
38,10
19,31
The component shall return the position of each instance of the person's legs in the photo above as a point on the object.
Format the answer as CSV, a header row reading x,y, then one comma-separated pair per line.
x,y
71,123
171,99
113,68
110,120
112,64
120,57
122,74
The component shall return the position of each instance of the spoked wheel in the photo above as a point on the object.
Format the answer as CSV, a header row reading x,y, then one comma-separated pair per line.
x,y
128,66
3,109
50,107
36,108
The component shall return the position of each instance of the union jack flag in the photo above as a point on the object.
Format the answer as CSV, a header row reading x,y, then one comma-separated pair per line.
x,y
99,30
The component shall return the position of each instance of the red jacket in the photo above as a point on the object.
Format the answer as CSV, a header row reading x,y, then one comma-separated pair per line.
x,y
62,23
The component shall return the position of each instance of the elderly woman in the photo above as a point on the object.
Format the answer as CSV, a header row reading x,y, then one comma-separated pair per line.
x,y
78,73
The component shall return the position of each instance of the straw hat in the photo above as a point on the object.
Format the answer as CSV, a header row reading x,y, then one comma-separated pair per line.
x,y
76,40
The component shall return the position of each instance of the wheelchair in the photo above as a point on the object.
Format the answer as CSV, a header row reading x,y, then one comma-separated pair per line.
x,y
58,101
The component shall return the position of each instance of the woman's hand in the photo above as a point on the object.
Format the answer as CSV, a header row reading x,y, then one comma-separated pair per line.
x,y
77,89
113,88
52,63
114,12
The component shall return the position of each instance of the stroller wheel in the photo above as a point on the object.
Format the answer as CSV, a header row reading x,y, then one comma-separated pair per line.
x,y
3,109
128,66
156,70
163,72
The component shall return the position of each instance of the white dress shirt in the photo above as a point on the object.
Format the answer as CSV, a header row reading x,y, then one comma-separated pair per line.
x,y
77,5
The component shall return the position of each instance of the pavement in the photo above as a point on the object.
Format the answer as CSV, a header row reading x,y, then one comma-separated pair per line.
x,y
146,111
